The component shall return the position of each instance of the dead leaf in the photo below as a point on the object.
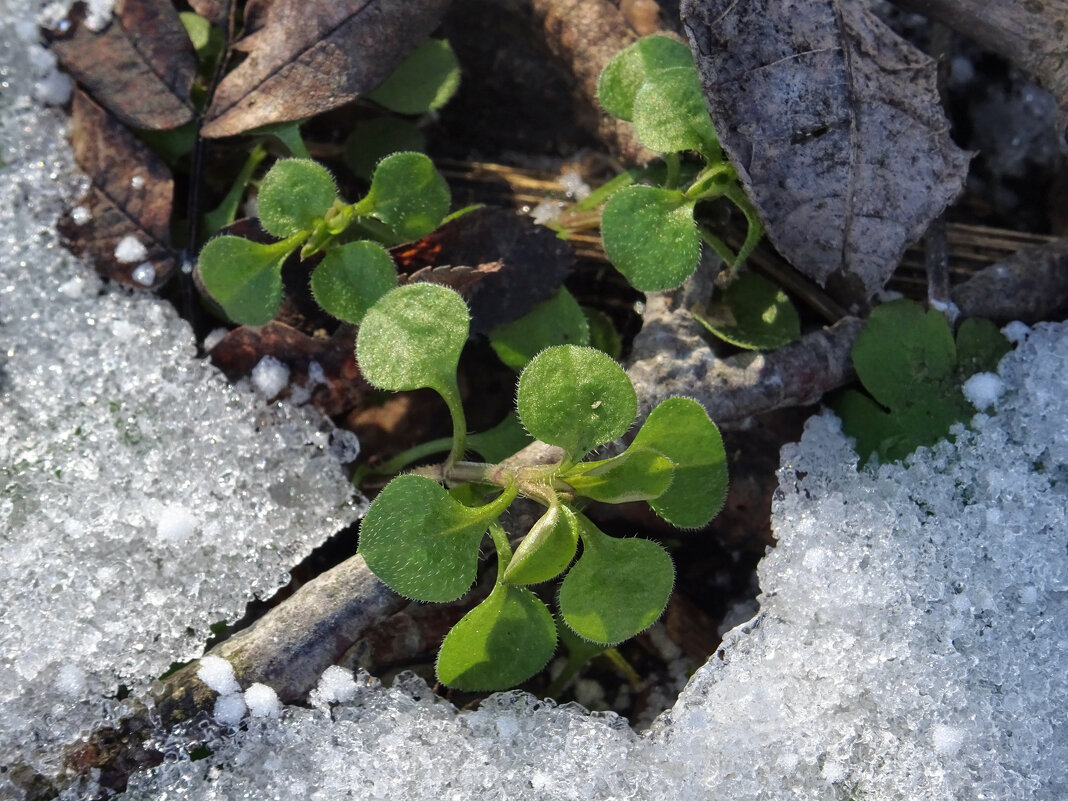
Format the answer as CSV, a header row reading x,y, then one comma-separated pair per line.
x,y
335,386
834,126
217,12
500,261
129,199
309,56
140,67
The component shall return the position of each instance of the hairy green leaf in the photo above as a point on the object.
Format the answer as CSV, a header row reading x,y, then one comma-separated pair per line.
x,y
503,641
637,474
294,195
408,195
576,398
423,82
670,113
547,549
244,277
353,277
556,321
752,313
618,587
377,138
680,429
650,236
629,69
412,338
421,541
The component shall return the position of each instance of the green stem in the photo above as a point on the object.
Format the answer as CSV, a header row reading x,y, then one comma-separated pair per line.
x,y
288,134
459,425
224,214
718,245
671,160
599,195
475,473
413,454
504,548
708,184
754,229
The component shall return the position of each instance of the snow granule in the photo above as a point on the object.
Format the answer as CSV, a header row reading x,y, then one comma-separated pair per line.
x,y
270,376
262,701
218,674
130,249
983,390
176,523
229,709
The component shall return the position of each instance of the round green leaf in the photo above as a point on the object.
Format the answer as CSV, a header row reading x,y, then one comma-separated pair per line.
x,y
294,195
902,349
412,338
423,82
752,313
353,277
618,588
650,236
637,474
557,321
375,139
576,398
546,550
408,195
624,75
244,277
503,641
421,541
670,112
681,430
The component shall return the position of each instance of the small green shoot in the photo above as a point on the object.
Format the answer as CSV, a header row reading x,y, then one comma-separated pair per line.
x,y
908,360
298,202
650,233
424,543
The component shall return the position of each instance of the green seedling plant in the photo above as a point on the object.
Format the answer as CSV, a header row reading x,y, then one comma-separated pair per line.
x,y
647,217
909,361
299,205
423,533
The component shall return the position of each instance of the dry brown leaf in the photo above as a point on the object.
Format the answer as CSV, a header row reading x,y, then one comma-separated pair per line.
x,y
140,67
217,12
834,126
512,263
309,56
130,196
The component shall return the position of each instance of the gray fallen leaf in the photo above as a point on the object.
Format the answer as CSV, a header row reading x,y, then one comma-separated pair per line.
x,y
834,126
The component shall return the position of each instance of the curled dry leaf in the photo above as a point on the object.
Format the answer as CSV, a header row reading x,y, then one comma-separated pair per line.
x,y
306,57
128,204
140,67
834,126
500,261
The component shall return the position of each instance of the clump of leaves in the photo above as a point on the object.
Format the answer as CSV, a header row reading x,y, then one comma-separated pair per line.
x,y
649,232
299,204
913,368
423,533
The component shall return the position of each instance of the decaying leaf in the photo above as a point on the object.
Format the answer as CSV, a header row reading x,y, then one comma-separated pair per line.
x,y
500,261
833,124
123,223
217,12
324,368
140,67
306,57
